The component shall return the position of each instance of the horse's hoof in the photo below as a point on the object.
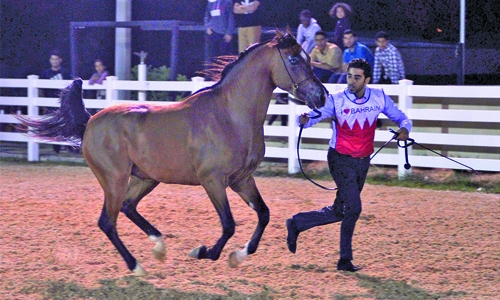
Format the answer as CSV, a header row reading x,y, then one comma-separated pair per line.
x,y
159,250
139,271
235,258
198,252
160,255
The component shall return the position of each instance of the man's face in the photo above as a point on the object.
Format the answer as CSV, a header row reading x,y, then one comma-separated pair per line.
x,y
320,41
356,81
55,61
349,40
382,43
305,21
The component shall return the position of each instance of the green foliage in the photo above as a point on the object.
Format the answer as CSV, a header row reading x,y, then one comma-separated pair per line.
x,y
159,74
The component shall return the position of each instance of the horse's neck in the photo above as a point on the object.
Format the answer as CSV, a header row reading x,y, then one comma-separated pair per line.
x,y
249,89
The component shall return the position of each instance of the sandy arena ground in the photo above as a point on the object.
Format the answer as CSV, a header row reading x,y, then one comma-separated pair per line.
x,y
444,242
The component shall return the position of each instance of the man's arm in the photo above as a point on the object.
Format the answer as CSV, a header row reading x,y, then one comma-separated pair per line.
x,y
245,9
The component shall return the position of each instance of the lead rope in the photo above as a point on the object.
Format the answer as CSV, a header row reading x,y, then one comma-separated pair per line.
x,y
407,144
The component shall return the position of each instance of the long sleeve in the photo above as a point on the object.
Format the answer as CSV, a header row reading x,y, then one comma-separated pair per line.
x,y
327,111
395,114
377,67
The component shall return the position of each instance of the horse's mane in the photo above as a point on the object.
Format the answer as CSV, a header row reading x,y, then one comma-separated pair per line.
x,y
222,65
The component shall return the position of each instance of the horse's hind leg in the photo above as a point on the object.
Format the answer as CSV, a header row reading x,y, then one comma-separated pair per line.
x,y
114,194
251,195
138,188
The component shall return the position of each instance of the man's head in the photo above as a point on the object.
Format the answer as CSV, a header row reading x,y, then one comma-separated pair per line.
x,y
305,17
382,39
349,38
55,60
359,73
321,39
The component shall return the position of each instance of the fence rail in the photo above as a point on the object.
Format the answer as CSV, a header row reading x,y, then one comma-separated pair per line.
x,y
461,121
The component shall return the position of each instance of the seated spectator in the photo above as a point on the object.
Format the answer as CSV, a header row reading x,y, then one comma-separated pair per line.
x,y
354,49
388,67
326,58
307,30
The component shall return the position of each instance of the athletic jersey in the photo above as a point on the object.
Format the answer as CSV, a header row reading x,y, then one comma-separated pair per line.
x,y
354,122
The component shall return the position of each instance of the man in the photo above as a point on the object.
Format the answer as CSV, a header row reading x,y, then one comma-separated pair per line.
x,y
353,50
306,32
219,21
55,72
326,58
248,21
388,67
354,112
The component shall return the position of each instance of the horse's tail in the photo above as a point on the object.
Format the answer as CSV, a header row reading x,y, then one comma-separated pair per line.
x,y
67,124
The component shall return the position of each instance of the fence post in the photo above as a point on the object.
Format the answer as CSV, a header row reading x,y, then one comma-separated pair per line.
x,y
111,92
293,162
33,149
142,75
404,103
197,83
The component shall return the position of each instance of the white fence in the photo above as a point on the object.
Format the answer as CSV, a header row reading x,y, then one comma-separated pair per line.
x,y
461,121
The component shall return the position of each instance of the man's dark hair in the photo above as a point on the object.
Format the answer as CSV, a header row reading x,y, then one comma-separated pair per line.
x,y
56,53
320,32
362,64
349,31
306,13
382,34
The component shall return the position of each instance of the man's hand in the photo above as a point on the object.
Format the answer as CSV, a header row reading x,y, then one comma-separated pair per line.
x,y
304,118
403,134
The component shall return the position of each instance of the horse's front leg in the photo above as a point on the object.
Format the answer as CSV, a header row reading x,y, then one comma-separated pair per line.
x,y
217,193
247,190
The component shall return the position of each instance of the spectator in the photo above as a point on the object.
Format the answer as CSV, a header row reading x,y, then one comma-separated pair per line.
x,y
98,77
341,12
326,58
353,50
307,30
388,67
55,72
247,17
219,21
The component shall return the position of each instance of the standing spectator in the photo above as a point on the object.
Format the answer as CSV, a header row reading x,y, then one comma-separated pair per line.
x,y
219,21
248,21
354,112
55,72
353,50
388,66
307,30
341,12
98,77
326,58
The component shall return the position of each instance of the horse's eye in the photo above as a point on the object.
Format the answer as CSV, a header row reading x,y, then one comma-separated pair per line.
x,y
293,59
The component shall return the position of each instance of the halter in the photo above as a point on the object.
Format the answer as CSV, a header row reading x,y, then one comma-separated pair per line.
x,y
295,86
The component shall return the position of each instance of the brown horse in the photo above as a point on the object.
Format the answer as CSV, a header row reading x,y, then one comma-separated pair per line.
x,y
214,138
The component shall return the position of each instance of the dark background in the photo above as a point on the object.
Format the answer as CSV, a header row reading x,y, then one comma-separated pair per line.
x,y
30,29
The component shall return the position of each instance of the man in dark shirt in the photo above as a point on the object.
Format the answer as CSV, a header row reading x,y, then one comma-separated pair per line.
x,y
247,16
55,72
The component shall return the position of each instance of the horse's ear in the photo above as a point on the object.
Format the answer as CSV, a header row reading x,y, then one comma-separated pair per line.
x,y
279,34
288,30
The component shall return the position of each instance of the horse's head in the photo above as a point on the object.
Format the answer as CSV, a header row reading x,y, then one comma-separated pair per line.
x,y
293,73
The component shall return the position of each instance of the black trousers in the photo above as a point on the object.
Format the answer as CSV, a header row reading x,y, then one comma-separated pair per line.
x,y
349,174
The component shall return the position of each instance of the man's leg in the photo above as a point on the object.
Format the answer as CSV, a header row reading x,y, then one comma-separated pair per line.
x,y
307,220
254,35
